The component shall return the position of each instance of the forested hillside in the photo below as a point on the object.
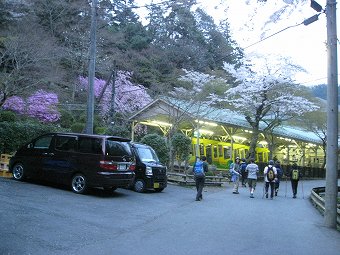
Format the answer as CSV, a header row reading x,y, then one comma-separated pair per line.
x,y
44,59
44,44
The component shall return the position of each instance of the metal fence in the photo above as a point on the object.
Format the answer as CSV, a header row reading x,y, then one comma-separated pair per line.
x,y
319,202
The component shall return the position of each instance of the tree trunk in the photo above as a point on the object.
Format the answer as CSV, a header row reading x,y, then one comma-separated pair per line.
x,y
253,143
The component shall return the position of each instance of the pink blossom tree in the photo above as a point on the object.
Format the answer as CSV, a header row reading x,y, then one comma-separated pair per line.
x,y
41,105
129,97
16,104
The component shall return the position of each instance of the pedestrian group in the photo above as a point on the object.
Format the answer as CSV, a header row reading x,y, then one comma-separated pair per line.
x,y
248,174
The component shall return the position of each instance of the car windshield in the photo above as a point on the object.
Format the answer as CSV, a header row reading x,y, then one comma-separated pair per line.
x,y
147,154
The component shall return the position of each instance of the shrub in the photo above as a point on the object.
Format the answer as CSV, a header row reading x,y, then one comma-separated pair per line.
x,y
15,134
158,143
66,119
77,127
7,116
181,145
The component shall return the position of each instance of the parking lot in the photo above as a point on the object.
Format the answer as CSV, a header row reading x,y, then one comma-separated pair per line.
x,y
48,219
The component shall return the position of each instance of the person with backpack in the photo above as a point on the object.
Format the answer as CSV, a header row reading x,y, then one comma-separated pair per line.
x,y
252,170
235,174
279,176
270,175
295,175
199,169
243,172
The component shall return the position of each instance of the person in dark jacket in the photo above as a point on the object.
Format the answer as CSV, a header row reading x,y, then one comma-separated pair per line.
x,y
295,175
279,176
243,172
199,169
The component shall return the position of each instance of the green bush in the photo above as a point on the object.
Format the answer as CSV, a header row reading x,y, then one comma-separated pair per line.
x,y
181,145
119,130
100,130
158,143
77,127
15,134
66,119
7,116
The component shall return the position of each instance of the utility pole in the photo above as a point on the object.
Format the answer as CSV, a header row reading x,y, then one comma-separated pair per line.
x,y
92,68
113,92
332,119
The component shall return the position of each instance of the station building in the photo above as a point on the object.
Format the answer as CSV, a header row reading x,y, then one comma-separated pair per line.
x,y
222,135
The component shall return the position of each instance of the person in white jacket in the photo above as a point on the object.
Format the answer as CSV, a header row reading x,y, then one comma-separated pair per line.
x,y
252,170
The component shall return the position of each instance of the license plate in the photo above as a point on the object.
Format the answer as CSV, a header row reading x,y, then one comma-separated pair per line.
x,y
121,167
156,185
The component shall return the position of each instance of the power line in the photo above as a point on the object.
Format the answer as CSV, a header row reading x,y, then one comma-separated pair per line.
x,y
273,35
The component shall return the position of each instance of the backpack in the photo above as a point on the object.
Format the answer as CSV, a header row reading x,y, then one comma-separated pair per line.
x,y
295,175
198,168
270,174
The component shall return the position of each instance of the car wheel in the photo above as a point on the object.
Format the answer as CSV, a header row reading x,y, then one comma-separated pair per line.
x,y
159,189
139,186
19,172
79,184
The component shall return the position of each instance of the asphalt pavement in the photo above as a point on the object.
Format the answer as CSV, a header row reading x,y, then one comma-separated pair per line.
x,y
39,219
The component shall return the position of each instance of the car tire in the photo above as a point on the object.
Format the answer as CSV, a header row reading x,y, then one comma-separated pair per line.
x,y
79,184
19,173
139,186
159,189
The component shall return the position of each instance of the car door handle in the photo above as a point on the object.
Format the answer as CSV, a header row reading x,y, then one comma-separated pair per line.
x,y
48,154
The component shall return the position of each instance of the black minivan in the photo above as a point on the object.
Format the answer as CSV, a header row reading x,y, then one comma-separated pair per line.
x,y
78,160
150,173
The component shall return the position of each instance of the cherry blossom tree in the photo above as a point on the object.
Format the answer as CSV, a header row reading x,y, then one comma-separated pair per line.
x,y
265,93
41,105
192,96
129,97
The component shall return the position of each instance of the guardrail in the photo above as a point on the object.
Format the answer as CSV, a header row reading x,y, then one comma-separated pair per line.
x,y
188,179
319,202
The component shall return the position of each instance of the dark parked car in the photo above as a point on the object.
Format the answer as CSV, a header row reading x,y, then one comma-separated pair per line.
x,y
150,173
78,160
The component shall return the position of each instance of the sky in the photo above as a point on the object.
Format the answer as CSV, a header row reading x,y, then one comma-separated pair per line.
x,y
248,20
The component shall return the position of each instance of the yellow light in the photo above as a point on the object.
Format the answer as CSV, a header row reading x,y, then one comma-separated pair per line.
x,y
161,123
204,131
235,137
207,123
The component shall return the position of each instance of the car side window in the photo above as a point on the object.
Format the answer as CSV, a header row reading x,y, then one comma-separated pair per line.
x,y
43,142
90,145
66,143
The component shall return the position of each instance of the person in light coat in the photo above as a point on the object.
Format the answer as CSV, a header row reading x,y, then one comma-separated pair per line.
x,y
252,170
235,174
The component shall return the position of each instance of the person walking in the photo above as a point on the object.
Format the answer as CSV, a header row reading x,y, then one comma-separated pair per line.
x,y
243,172
252,170
235,174
279,176
270,174
295,175
199,169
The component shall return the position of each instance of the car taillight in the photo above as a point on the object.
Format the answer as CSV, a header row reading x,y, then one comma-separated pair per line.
x,y
132,167
108,165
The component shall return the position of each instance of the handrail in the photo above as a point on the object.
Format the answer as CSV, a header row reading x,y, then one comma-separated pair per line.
x,y
319,202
